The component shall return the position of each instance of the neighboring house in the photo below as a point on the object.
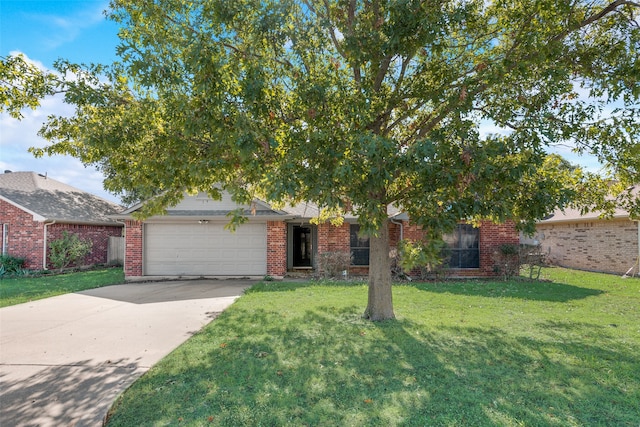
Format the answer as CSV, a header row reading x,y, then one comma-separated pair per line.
x,y
587,242
191,240
35,210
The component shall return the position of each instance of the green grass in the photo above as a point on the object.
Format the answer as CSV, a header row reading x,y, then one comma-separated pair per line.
x,y
514,353
17,290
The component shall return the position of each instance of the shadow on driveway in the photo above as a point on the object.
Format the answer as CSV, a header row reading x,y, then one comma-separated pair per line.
x,y
64,360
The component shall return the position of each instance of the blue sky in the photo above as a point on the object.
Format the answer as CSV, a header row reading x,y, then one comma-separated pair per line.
x,y
45,31
78,31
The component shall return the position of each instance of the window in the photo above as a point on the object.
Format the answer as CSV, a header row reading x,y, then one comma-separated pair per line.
x,y
359,246
463,246
5,238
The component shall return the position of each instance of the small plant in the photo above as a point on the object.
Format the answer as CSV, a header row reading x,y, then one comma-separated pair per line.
x,y
506,260
68,250
267,278
11,264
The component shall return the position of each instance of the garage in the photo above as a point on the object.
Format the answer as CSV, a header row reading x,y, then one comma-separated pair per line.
x,y
204,248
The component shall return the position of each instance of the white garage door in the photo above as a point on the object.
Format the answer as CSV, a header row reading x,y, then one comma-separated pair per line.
x,y
192,249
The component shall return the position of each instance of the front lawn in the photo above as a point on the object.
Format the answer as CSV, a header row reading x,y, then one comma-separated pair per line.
x,y
514,353
16,290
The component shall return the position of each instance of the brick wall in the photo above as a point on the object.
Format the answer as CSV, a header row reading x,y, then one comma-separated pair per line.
x,y
25,236
276,248
97,234
491,237
133,249
609,246
334,239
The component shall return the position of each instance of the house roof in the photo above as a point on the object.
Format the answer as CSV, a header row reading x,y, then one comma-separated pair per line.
x,y
199,206
574,215
50,200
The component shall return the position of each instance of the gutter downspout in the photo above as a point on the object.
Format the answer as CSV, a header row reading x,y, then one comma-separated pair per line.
x,y
396,222
44,249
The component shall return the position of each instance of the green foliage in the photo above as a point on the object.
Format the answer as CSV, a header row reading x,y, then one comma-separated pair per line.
x,y
68,250
428,256
481,353
11,264
21,289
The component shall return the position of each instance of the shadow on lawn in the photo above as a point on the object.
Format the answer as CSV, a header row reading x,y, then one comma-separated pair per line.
x,y
528,290
330,367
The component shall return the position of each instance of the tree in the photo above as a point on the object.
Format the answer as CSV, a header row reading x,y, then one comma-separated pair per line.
x,y
356,105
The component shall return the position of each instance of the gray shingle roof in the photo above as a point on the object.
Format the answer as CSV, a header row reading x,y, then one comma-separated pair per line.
x,y
54,200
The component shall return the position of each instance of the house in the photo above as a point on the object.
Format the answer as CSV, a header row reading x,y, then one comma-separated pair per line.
x,y
36,209
191,240
588,242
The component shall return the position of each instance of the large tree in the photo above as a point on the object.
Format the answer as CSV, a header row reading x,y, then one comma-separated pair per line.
x,y
356,105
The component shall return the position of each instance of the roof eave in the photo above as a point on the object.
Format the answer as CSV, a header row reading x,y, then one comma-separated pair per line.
x,y
585,219
36,216
168,218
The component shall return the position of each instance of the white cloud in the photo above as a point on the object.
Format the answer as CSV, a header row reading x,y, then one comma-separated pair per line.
x,y
17,136
65,29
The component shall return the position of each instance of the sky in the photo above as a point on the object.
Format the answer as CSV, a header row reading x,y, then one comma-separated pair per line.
x,y
45,31
77,30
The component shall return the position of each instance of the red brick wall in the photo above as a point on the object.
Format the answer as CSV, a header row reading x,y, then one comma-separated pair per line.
x,y
25,236
492,235
98,234
276,248
334,239
133,248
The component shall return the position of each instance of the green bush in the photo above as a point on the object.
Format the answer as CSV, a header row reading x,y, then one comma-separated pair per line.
x,y
506,258
11,264
68,250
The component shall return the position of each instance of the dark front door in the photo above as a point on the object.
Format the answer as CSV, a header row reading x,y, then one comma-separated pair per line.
x,y
302,246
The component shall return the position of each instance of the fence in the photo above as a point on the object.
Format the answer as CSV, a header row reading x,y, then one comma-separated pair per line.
x,y
115,251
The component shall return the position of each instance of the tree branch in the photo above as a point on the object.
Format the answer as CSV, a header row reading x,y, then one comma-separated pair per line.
x,y
593,18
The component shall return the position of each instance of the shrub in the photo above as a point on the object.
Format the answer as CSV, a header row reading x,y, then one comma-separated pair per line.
x,y
427,258
11,264
506,260
333,263
68,250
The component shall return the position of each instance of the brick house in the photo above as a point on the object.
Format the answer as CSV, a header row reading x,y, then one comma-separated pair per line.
x,y
587,242
35,210
191,240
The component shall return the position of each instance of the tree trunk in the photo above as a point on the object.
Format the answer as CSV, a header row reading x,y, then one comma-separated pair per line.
x,y
380,301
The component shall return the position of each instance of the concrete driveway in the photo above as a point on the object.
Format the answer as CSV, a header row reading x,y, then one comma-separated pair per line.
x,y
64,360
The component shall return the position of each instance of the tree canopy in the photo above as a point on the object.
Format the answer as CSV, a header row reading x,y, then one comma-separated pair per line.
x,y
356,105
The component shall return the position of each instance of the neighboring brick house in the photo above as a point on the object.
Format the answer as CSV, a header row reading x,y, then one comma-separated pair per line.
x,y
35,209
191,240
587,242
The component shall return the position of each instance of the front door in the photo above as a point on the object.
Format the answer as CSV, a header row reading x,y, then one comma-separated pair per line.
x,y
302,246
